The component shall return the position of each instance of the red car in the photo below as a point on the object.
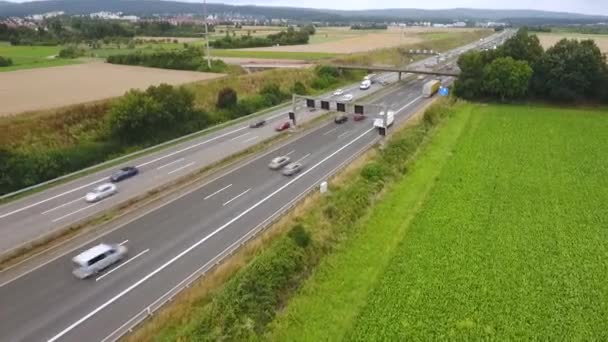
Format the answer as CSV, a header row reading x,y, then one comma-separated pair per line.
x,y
282,126
358,117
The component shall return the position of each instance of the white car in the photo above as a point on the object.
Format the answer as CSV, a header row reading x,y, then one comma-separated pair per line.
x,y
278,162
347,97
338,92
97,259
101,192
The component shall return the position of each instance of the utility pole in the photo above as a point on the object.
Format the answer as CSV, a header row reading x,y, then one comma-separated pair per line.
x,y
207,35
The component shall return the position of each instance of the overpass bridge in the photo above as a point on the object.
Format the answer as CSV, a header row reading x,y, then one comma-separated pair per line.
x,y
399,70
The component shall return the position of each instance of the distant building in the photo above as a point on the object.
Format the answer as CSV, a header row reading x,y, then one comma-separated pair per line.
x,y
460,24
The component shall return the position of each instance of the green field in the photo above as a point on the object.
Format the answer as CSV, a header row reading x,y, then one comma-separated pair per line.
x,y
498,232
29,57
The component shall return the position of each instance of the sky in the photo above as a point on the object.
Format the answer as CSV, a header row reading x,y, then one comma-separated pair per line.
x,y
596,7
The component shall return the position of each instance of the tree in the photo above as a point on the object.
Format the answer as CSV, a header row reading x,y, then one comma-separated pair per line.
x,y
226,98
310,29
523,47
571,71
468,84
506,78
5,61
299,88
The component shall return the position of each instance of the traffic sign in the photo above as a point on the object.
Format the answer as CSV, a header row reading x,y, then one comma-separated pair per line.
x,y
443,91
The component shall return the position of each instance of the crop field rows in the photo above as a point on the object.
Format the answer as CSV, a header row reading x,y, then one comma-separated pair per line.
x,y
510,243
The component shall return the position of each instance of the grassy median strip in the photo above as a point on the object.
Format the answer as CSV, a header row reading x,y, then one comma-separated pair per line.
x,y
240,298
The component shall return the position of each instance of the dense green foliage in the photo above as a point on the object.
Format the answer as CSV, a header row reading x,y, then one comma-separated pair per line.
x,y
506,78
5,61
188,59
154,115
226,98
570,71
288,37
166,29
70,52
508,245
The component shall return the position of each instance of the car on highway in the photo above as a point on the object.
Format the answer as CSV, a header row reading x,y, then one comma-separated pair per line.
x,y
97,259
100,192
291,169
340,119
257,124
338,92
282,126
359,117
347,97
124,173
278,162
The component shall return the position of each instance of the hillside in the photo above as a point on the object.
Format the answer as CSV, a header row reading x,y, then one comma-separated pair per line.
x,y
154,7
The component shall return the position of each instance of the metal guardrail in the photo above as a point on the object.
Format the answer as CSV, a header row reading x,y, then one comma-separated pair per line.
x,y
148,311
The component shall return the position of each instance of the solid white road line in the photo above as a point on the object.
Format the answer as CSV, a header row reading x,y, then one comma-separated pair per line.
x,y
290,152
240,136
190,147
217,192
171,163
408,104
344,134
52,198
63,205
180,168
75,212
121,265
122,243
248,140
237,196
306,156
331,130
201,241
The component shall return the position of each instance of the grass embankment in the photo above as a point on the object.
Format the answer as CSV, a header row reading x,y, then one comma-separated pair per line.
x,y
497,233
29,57
52,143
441,41
241,308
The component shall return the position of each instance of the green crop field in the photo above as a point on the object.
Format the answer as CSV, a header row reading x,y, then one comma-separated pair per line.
x,y
499,232
29,57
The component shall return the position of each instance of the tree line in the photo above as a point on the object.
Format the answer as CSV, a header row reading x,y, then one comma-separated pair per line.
x,y
5,61
372,26
569,71
288,37
188,59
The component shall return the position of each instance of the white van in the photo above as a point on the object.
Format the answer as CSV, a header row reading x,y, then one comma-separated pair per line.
x,y
96,259
365,85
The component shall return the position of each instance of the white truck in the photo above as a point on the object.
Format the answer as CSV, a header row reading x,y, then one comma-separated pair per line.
x,y
390,118
430,88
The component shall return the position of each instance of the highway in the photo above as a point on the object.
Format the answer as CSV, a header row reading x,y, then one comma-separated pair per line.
x,y
168,244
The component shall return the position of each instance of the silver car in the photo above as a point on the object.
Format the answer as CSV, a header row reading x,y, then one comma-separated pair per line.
x,y
278,162
97,258
101,192
292,169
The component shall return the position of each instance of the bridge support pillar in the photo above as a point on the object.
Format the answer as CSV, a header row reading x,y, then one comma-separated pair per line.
x,y
399,75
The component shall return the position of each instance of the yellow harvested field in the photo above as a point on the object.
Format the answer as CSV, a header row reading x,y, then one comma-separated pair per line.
x,y
547,40
344,40
37,89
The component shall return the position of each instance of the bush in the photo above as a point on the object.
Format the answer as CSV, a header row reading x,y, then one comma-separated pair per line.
x,y
273,94
159,112
373,172
189,59
327,71
299,235
299,88
71,52
226,98
5,61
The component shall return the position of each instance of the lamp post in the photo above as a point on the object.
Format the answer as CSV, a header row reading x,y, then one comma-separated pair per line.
x,y
207,35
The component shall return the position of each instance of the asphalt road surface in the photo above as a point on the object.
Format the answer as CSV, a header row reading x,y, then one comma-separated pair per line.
x,y
34,216
168,244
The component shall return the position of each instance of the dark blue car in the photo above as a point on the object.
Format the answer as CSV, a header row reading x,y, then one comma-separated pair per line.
x,y
124,173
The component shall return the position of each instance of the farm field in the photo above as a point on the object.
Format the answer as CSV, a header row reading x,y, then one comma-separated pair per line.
x,y
549,39
344,40
497,232
29,57
28,90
